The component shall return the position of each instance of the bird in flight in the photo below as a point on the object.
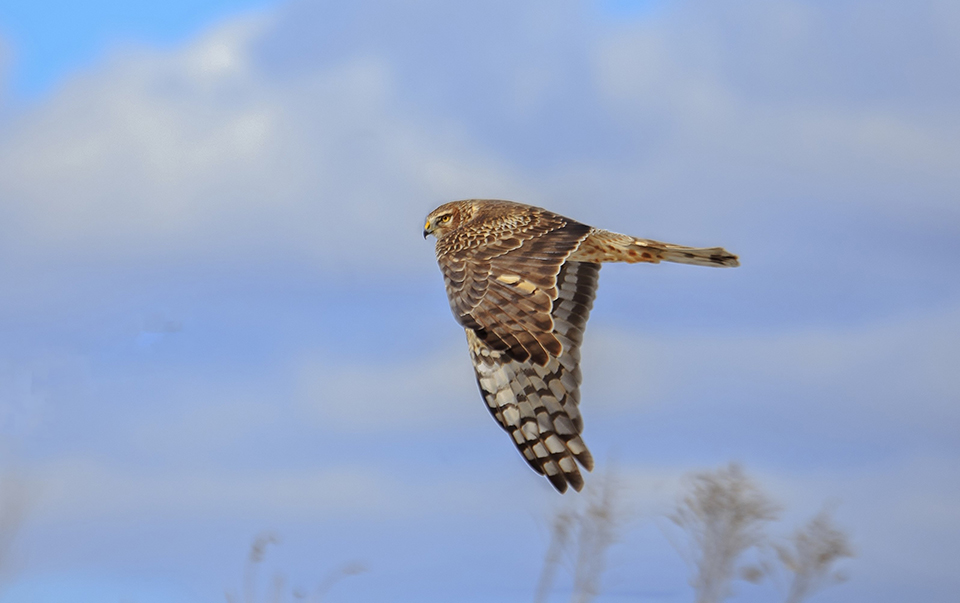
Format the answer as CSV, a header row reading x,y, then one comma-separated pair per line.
x,y
521,281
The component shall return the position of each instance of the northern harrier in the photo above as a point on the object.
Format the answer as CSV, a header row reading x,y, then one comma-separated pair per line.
x,y
521,281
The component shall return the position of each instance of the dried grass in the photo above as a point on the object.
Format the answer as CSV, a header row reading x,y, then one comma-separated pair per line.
x,y
583,532
811,554
278,592
722,515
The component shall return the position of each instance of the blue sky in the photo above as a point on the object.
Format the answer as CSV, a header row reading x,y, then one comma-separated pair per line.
x,y
53,39
220,317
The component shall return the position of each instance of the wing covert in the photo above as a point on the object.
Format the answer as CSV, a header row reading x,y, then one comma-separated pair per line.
x,y
504,289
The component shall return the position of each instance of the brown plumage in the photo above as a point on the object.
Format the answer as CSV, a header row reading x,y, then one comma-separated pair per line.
x,y
521,281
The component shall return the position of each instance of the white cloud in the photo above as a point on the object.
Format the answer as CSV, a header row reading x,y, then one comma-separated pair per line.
x,y
78,489
199,152
408,394
755,102
90,490
717,112
901,372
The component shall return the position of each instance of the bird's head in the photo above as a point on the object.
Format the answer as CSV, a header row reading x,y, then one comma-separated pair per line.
x,y
444,219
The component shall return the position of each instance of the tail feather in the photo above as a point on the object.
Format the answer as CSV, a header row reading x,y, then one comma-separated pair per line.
x,y
605,246
698,256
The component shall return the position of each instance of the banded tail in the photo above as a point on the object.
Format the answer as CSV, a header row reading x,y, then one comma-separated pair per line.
x,y
605,246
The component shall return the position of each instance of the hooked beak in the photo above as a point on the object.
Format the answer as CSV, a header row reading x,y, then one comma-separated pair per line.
x,y
426,230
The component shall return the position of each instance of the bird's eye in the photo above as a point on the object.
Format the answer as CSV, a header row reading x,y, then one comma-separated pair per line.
x,y
445,218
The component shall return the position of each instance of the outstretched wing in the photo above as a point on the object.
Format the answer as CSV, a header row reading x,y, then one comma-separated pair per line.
x,y
502,281
538,404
